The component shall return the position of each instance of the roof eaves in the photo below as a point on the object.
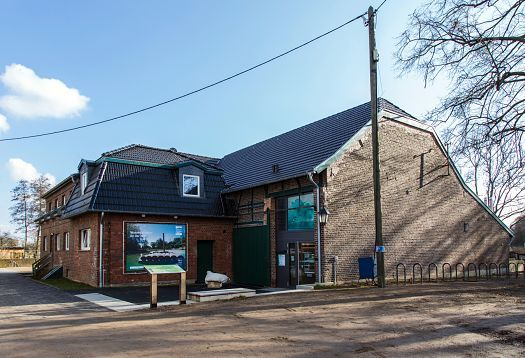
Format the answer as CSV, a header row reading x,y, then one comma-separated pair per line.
x,y
263,182
157,213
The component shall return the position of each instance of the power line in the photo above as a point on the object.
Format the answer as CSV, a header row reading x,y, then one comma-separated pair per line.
x,y
188,93
380,6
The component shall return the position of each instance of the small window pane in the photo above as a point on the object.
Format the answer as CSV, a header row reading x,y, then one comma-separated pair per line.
x,y
301,212
85,238
190,185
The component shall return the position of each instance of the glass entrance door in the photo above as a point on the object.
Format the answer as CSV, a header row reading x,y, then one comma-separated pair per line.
x,y
301,263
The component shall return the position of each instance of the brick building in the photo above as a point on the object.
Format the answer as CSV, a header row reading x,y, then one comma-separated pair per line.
x,y
254,213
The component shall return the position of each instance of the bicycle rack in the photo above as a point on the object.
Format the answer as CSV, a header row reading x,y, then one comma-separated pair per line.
x,y
430,266
506,267
462,271
414,272
492,264
449,271
404,273
486,271
475,271
515,269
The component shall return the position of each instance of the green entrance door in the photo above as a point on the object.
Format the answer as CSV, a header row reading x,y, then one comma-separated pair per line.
x,y
204,259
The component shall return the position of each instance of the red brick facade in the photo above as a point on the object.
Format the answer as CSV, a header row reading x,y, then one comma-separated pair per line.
x,y
83,266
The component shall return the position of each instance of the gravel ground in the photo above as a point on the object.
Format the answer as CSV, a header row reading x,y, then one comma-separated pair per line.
x,y
485,319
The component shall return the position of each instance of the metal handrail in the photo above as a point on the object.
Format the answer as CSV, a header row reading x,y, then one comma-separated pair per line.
x,y
41,263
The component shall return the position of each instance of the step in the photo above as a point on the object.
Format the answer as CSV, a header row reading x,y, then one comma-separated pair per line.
x,y
215,295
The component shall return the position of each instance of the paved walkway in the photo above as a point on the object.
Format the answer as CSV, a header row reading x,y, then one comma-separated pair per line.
x,y
20,296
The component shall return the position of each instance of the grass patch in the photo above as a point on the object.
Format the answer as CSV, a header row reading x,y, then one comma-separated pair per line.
x,y
65,284
335,287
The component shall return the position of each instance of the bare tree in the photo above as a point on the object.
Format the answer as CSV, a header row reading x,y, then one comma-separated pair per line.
x,y
495,175
39,187
21,210
27,206
479,45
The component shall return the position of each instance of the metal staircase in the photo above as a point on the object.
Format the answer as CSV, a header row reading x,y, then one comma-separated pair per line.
x,y
55,272
40,265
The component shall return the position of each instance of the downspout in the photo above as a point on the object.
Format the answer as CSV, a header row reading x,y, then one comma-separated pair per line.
x,y
310,177
100,252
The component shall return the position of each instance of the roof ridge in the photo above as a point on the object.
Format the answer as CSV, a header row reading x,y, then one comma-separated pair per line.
x,y
203,156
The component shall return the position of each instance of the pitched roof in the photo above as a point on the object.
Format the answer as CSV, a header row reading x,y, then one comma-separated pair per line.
x,y
298,151
133,188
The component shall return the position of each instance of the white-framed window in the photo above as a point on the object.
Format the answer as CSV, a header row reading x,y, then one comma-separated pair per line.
x,y
58,243
66,241
85,239
83,183
46,243
63,200
191,185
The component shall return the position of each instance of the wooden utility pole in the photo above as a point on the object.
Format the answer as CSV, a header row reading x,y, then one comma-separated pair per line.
x,y
374,58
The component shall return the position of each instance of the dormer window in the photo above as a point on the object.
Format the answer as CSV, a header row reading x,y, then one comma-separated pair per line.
x,y
83,183
191,185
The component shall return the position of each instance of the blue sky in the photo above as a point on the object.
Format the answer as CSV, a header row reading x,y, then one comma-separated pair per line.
x,y
122,55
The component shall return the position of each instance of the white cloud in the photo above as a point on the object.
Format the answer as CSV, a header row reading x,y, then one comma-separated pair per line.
x,y
21,170
4,126
30,96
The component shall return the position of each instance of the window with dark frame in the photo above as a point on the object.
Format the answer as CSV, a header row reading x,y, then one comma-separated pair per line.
x,y
296,213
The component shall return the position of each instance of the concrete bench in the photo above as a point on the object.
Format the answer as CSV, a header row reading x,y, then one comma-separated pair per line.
x,y
215,295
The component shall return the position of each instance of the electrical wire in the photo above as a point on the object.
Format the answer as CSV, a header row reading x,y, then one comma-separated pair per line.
x,y
188,93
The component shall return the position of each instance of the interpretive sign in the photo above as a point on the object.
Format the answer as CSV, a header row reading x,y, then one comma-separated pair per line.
x,y
154,244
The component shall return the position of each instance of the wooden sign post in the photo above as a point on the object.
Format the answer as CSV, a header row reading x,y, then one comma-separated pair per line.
x,y
155,270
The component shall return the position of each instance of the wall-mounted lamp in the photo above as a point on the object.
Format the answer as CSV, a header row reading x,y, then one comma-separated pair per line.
x,y
323,215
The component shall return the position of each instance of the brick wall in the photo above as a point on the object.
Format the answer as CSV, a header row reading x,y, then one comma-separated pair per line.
x,y
216,229
424,208
83,266
59,196
80,266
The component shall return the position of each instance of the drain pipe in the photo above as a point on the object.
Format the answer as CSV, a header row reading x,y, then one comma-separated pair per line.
x,y
311,178
100,252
